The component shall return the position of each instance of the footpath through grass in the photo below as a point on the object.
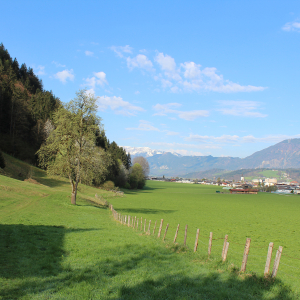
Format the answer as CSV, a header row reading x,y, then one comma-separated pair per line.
x,y
50,249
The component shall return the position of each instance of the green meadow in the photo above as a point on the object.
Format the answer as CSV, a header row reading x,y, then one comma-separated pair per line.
x,y
263,217
50,249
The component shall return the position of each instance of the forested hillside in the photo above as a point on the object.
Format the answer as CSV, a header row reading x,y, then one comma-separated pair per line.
x,y
26,115
25,107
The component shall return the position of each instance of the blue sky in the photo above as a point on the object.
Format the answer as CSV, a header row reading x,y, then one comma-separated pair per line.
x,y
214,78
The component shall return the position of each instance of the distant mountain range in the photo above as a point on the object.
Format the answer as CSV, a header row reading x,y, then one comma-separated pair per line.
x,y
283,155
144,151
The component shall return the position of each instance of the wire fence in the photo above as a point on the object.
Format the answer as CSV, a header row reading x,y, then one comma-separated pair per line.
x,y
259,259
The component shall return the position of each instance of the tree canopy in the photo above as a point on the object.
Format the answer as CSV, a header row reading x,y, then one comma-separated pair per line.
x,y
137,178
144,164
70,150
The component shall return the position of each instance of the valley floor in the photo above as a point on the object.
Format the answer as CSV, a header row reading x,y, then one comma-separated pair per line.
x,y
50,249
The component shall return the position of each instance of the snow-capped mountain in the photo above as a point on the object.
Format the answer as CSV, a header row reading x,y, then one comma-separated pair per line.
x,y
144,151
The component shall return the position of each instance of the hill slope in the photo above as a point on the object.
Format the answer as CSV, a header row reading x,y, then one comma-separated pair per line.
x,y
283,155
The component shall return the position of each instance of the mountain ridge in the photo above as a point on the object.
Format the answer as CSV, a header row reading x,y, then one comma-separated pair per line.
x,y
283,155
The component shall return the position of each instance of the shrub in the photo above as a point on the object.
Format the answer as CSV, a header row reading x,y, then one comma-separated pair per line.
x,y
271,188
108,185
127,185
137,179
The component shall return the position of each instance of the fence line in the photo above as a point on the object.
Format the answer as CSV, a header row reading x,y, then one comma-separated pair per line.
x,y
133,222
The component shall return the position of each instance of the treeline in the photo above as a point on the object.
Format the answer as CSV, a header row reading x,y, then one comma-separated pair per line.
x,y
26,118
24,108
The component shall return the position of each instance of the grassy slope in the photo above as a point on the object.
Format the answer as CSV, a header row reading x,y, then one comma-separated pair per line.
x,y
53,250
264,218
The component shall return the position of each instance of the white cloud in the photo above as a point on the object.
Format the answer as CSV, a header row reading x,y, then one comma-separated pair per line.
x,y
98,79
120,50
292,26
40,70
165,109
183,145
58,65
268,139
166,83
209,139
64,75
137,92
209,79
168,65
174,89
192,115
118,105
192,70
144,126
171,132
89,53
235,139
188,77
241,108
140,61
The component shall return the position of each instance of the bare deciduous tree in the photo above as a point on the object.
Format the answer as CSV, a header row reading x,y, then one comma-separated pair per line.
x,y
144,163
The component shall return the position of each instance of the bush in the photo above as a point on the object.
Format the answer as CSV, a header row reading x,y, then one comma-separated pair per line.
x,y
127,185
2,161
137,179
271,188
108,185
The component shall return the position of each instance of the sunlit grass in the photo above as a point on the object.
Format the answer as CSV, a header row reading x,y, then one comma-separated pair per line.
x,y
263,217
51,249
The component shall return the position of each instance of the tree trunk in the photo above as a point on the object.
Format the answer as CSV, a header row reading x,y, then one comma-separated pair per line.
x,y
73,198
74,191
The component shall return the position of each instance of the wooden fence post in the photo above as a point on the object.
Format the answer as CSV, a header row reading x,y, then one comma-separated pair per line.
x,y
276,262
225,251
210,243
145,225
224,245
128,221
176,234
160,227
141,223
137,224
185,234
166,232
154,228
268,261
134,222
148,232
245,257
196,241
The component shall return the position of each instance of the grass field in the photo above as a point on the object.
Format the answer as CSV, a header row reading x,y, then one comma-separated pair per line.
x,y
263,217
50,249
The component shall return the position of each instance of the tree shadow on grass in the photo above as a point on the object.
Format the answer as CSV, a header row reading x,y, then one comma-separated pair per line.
x,y
146,189
32,250
136,272
145,210
44,179
205,287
